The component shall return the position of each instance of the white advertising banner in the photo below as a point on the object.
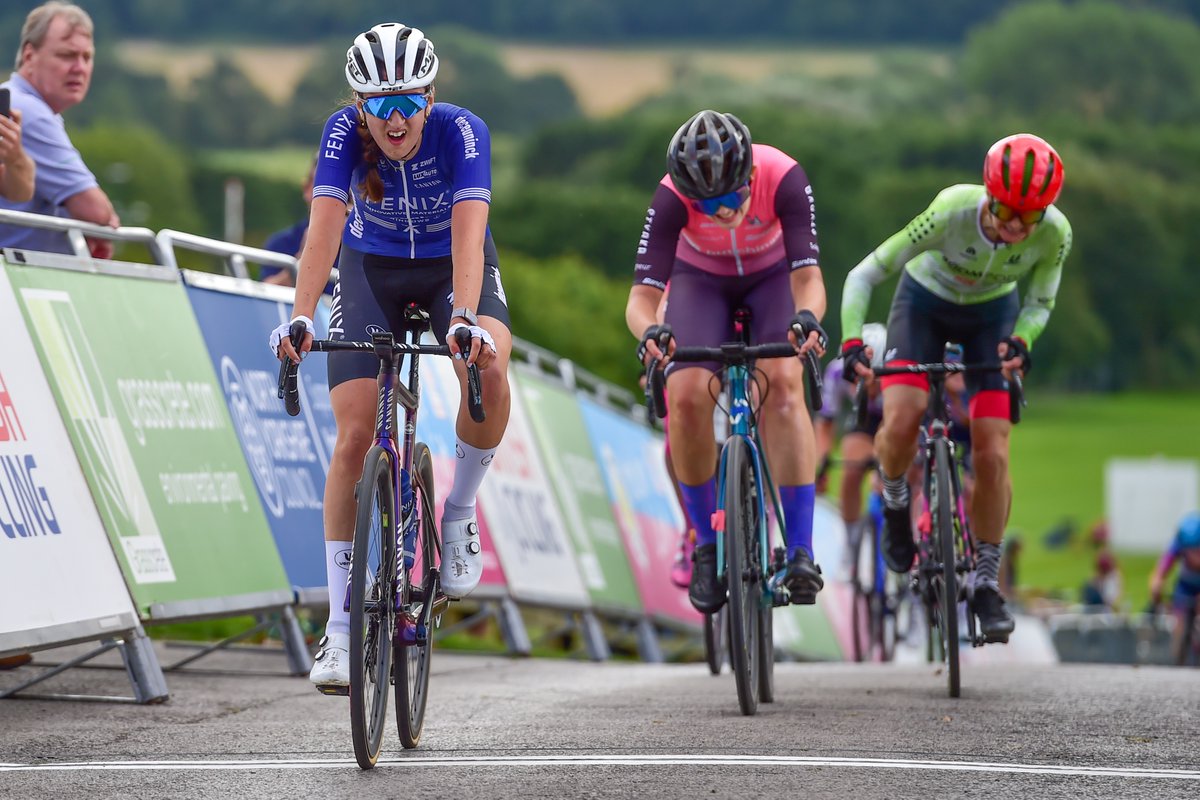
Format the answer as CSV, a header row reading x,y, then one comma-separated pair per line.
x,y
516,502
1145,498
59,580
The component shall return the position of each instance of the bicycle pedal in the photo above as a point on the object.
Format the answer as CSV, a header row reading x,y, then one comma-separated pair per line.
x,y
805,599
334,689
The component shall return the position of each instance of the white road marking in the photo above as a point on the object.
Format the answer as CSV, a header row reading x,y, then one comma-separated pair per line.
x,y
619,760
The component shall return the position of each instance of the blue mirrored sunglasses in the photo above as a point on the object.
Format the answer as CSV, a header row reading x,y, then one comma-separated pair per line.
x,y
383,105
734,200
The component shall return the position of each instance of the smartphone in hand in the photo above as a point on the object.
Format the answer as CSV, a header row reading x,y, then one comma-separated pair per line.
x,y
4,102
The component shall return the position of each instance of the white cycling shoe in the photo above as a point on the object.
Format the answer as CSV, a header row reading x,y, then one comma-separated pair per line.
x,y
462,557
331,666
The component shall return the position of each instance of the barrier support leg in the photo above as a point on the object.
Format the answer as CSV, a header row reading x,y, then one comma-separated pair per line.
x,y
593,637
141,665
647,642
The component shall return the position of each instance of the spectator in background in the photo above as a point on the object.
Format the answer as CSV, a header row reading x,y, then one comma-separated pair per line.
x,y
1009,561
290,241
16,167
53,73
1102,592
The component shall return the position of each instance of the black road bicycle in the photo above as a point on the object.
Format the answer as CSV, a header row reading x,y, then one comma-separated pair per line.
x,y
945,564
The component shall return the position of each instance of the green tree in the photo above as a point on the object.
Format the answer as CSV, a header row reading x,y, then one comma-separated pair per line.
x,y
148,179
1096,60
569,308
224,109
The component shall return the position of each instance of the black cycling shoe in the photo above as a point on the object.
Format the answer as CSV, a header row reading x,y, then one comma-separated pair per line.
x,y
705,589
803,578
899,549
995,623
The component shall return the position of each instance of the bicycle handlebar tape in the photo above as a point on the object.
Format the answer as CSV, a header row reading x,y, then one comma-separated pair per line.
x,y
291,389
860,406
658,393
812,374
1016,398
474,390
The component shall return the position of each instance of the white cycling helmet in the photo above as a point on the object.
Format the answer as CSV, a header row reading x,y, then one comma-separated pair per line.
x,y
391,57
874,336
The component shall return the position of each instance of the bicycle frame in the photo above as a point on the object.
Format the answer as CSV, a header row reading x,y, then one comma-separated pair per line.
x,y
742,424
400,454
964,545
391,392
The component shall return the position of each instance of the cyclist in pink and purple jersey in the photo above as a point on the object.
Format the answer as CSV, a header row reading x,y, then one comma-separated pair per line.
x,y
733,225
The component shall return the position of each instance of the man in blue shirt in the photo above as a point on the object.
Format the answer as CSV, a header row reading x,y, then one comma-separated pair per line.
x,y
290,241
54,71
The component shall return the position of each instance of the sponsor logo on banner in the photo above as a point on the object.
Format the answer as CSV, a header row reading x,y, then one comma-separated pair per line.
x,y
25,506
100,444
274,443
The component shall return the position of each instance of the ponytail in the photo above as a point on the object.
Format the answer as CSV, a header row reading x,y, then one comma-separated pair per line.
x,y
371,187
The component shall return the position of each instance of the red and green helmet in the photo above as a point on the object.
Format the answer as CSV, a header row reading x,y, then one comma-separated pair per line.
x,y
1023,172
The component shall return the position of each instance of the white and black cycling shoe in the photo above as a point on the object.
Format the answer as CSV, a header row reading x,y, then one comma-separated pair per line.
x,y
331,666
462,557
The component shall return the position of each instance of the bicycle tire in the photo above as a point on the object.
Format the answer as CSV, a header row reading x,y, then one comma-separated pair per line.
x,y
1186,655
882,639
740,554
943,526
860,601
714,640
371,612
766,652
413,661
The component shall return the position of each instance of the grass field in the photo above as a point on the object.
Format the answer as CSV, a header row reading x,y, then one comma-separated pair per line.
x,y
606,80
1059,453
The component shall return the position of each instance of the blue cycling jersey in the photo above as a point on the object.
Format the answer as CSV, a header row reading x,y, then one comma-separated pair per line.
x,y
412,220
1186,538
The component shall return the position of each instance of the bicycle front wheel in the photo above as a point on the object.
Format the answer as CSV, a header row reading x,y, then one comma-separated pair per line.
x,y
372,580
743,574
943,528
420,589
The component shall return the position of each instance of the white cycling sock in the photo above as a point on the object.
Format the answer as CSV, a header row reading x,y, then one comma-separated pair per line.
x,y
469,468
337,575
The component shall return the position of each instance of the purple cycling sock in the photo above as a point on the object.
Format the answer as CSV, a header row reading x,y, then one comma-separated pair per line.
x,y
701,503
798,502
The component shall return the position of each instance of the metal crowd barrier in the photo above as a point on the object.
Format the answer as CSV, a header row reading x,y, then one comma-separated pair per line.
x,y
1105,638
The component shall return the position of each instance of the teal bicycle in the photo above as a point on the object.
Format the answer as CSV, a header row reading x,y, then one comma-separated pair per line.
x,y
750,568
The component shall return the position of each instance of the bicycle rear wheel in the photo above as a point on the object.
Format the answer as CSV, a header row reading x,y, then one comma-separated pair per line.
x,y
743,576
766,651
372,576
1185,654
943,530
861,572
715,633
415,652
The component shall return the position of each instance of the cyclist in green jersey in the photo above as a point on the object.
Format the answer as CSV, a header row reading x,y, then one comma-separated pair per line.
x,y
961,260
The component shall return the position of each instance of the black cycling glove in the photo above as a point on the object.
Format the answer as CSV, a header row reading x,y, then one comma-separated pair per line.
x,y
657,333
1017,347
804,323
853,352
